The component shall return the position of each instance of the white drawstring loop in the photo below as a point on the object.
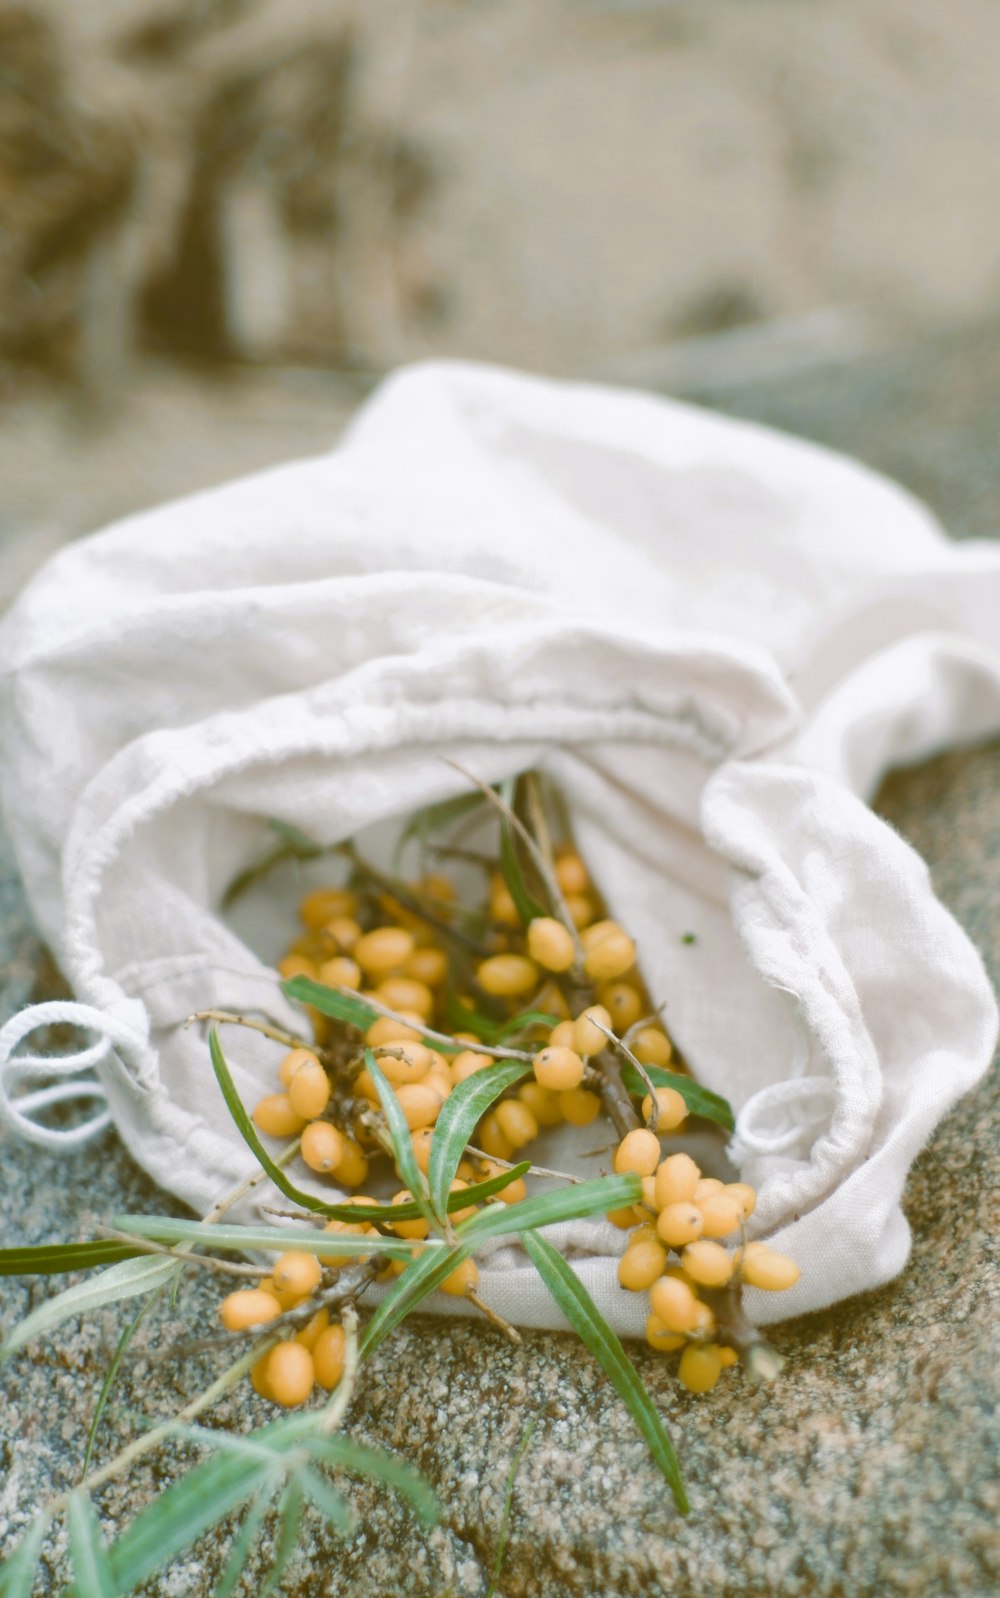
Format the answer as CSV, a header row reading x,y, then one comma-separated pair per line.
x,y
18,1110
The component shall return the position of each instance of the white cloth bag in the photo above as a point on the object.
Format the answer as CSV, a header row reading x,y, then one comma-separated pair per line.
x,y
716,639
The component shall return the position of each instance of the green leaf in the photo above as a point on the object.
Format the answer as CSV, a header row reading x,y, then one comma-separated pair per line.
x,y
243,1543
343,1453
331,1505
508,1502
699,1100
461,1110
237,1239
399,1131
112,1372
91,1570
419,1279
339,1006
569,1203
17,1573
523,1023
587,1321
290,1509
51,1259
526,905
130,1279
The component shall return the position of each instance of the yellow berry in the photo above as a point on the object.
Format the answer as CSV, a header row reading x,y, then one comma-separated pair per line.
x,y
408,1029
456,1216
406,993
324,904
678,1224
429,966
467,1064
622,1003
720,1213
491,1139
773,1272
671,1109
543,1104
310,1332
516,1122
309,1090
328,1357
700,1367
609,956
346,1229
463,1279
352,1167
728,1356
571,873
581,910
587,1037
295,965
625,1219
513,1193
641,1264
419,1103
707,1185
248,1306
707,1263
507,976
676,1180
289,1374
638,1151
403,1061
579,1106
439,1075
550,944
322,1146
381,951
561,1036
675,1304
745,1196
258,1377
416,1229
421,1143
275,1117
340,972
502,907
648,1195
296,1273
344,932
658,1336
291,1063
651,1046
558,1068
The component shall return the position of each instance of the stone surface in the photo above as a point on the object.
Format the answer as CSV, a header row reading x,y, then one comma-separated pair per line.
x,y
868,1470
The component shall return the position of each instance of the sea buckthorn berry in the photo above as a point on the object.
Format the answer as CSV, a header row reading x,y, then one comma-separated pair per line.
x,y
745,1196
704,1324
659,1337
340,972
439,1076
651,1046
571,873
381,951
721,1214
429,966
502,907
674,1303
322,1146
248,1306
491,1139
676,1180
706,1186
309,1090
622,1003
364,1083
561,1036
258,1378
437,886
558,1069
312,1329
638,1151
700,1367
641,1264
403,1061
470,1209
551,1000
507,976
648,1195
516,1122
550,944
707,1263
581,910
623,1219
408,1029
325,904
275,1117
352,1167
290,1374
587,1035
343,932
579,1106
679,1224
346,1229
295,965
513,1193
406,993
467,1064
463,1279
645,1232
671,1109
609,956
296,1274
291,1062
328,1357
728,1356
773,1272
543,1104
416,1229
421,1143
420,1104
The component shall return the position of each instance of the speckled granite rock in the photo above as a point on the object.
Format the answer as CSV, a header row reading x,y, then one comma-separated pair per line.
x,y
868,1471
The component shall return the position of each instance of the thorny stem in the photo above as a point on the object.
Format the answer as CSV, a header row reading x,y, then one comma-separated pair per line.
x,y
762,1361
508,1165
184,1257
497,1053
494,1318
623,1049
277,1033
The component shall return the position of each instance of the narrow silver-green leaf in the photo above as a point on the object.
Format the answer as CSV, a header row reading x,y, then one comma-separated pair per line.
x,y
399,1131
52,1259
461,1110
91,1570
17,1573
426,1272
243,1543
331,1505
569,1203
339,1006
235,1239
290,1508
343,1453
587,1321
111,1374
699,1100
130,1279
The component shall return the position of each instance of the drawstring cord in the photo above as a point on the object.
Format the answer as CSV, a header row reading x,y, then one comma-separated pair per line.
x,y
61,1072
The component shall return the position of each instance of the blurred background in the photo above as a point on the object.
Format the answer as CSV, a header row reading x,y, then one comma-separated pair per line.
x,y
221,220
